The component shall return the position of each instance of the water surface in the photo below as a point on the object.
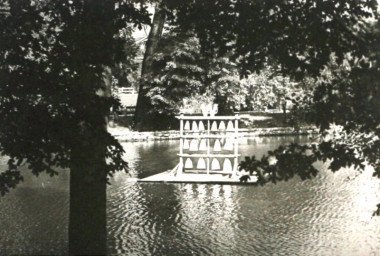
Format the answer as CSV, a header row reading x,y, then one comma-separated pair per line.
x,y
329,215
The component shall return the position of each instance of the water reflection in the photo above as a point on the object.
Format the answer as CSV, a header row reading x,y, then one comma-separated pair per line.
x,y
329,215
150,157
210,224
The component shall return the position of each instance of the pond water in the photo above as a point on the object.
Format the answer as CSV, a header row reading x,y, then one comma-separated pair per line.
x,y
329,215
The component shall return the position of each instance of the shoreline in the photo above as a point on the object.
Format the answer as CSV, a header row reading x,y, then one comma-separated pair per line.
x,y
123,134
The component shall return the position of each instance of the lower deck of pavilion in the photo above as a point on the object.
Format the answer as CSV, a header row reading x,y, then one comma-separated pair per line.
x,y
214,178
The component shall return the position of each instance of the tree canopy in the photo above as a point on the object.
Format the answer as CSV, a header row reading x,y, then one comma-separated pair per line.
x,y
53,57
345,104
299,35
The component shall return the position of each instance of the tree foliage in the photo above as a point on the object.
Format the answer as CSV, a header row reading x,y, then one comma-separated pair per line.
x,y
181,72
299,35
271,88
345,105
53,57
124,72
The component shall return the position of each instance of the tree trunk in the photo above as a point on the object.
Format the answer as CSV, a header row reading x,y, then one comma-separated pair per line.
x,y
88,198
150,48
87,219
283,105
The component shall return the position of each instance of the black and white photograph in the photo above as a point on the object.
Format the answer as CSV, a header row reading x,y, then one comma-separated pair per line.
x,y
190,127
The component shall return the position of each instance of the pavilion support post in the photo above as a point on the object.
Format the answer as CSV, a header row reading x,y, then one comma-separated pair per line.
x,y
181,164
208,147
236,146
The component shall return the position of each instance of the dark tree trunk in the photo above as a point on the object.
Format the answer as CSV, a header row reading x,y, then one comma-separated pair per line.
x,y
88,198
150,48
283,106
87,220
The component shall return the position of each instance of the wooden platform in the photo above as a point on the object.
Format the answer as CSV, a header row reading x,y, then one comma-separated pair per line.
x,y
167,177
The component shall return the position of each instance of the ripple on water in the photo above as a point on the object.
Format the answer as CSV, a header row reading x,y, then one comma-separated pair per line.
x,y
328,215
285,219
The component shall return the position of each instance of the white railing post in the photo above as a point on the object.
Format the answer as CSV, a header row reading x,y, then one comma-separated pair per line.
x,y
236,145
181,166
208,146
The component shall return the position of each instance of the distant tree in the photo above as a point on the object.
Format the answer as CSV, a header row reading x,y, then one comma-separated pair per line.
x,y
268,87
176,74
156,30
260,88
55,70
180,72
124,73
298,35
